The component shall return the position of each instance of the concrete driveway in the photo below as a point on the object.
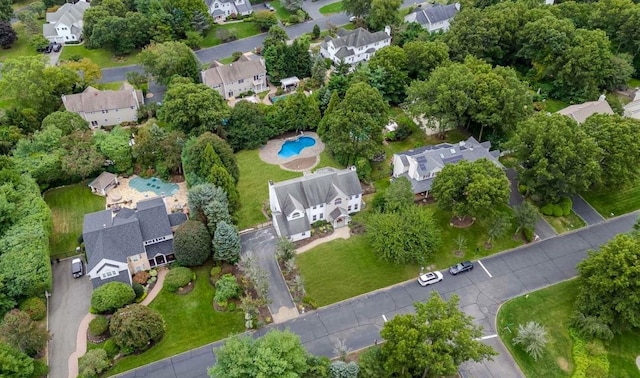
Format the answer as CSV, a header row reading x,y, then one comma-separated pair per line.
x,y
69,303
585,211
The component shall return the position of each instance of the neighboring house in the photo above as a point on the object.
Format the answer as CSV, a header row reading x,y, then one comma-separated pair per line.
x,y
249,73
421,165
632,109
581,112
103,183
120,242
105,108
354,46
434,18
65,24
221,9
326,195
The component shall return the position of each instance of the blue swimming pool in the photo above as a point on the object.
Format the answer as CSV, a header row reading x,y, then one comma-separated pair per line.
x,y
293,147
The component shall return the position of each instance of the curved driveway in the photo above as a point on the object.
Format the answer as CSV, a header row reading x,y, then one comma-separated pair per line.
x,y
358,321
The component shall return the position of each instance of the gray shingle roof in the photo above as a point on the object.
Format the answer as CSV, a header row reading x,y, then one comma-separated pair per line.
x,y
358,38
94,100
101,182
68,13
294,226
231,73
580,112
439,13
176,219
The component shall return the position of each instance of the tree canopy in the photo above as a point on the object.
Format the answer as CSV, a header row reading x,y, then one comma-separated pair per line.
x,y
166,60
192,243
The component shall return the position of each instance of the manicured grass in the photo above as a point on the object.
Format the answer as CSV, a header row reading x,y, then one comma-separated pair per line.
x,y
331,8
227,60
190,322
103,58
611,202
342,269
552,105
623,351
242,29
634,83
68,206
550,307
282,12
326,268
114,86
20,47
349,26
565,224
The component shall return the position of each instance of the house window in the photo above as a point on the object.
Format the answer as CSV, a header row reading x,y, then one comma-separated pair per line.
x,y
216,5
256,77
134,258
355,207
66,37
138,269
303,234
315,217
94,123
295,215
108,274
314,207
338,201
321,216
133,107
321,205
349,208
240,81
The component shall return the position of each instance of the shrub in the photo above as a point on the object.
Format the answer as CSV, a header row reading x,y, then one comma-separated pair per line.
x,y
40,369
135,327
231,306
309,302
35,307
141,277
226,288
566,204
215,272
111,348
192,243
532,337
153,272
138,289
112,296
547,209
528,234
341,369
285,249
98,326
522,189
177,278
557,211
93,363
236,55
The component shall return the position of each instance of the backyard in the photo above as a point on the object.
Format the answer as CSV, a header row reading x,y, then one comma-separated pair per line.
x,y
613,202
190,322
68,206
552,307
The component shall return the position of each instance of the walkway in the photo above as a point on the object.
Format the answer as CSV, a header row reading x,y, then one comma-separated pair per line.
x,y
81,338
585,211
358,320
339,233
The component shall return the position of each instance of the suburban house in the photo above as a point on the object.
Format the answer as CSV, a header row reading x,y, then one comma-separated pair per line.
x,y
249,73
632,109
434,18
221,9
105,108
103,183
327,195
65,24
421,165
120,242
580,112
354,46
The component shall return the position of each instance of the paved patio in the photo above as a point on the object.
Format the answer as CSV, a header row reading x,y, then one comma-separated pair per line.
x,y
308,158
124,193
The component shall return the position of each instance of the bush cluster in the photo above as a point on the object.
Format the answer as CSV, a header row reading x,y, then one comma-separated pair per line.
x,y
111,348
563,208
135,327
112,296
141,277
35,307
590,358
226,288
138,289
177,278
98,326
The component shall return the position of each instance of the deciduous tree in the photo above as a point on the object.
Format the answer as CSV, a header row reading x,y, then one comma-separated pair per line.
x,y
6,11
424,57
82,158
399,195
169,59
14,363
192,243
357,8
7,35
94,362
265,19
392,65
115,146
135,327
384,13
87,70
247,127
193,108
525,216
65,121
22,333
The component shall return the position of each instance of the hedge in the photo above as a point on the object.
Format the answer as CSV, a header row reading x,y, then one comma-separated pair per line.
x,y
112,296
177,278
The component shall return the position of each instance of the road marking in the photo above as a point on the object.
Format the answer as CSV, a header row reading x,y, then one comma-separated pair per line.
x,y
485,269
384,318
488,337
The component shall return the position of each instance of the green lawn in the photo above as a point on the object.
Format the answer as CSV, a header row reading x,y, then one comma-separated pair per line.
x,y
565,224
103,58
282,12
190,322
20,47
331,8
612,202
68,206
242,30
551,105
623,351
634,83
326,267
114,86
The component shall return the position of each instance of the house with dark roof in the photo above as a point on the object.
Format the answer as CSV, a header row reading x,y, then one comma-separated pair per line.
x,y
421,165
580,112
120,242
65,24
328,195
354,46
221,9
434,18
248,73
105,108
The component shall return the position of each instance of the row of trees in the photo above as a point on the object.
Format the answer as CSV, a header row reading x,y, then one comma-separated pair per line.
x,y
283,60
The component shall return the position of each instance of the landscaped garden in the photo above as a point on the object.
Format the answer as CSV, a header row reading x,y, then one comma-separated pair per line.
x,y
552,308
68,206
610,203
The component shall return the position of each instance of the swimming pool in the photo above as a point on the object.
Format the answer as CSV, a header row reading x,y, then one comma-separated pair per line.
x,y
153,184
293,147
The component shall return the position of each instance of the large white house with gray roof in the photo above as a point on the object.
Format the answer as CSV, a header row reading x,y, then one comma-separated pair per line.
x,y
248,73
354,46
120,242
65,24
105,108
328,195
434,18
421,165
221,9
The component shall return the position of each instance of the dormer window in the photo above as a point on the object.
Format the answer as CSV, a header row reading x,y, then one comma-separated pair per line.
x,y
338,201
295,215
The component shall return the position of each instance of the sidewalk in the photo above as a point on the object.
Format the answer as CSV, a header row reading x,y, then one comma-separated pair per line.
x,y
81,341
340,233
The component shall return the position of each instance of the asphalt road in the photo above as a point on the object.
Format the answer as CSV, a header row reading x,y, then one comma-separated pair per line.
x,y
358,321
69,303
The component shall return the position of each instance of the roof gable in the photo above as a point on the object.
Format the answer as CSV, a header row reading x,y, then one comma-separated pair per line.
x,y
358,38
580,112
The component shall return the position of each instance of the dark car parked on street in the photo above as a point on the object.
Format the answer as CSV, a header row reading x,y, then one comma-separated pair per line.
x,y
461,267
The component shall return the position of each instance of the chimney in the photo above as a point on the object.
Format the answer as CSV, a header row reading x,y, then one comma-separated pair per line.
x,y
352,168
457,5
387,29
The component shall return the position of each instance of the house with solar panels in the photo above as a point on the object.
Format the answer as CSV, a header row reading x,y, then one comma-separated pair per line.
x,y
434,18
421,165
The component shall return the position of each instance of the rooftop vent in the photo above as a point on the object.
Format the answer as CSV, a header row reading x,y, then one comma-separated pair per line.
x,y
453,150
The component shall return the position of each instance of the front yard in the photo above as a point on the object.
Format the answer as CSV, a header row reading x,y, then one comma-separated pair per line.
x,y
331,8
68,206
102,57
242,30
610,202
565,224
190,322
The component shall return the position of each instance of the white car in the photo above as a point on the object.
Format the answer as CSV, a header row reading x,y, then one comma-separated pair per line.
x,y
429,278
352,19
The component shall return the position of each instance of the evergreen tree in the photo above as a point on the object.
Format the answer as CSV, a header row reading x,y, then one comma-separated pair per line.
x,y
226,243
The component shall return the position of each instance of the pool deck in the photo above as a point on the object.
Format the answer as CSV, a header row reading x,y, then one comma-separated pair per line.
x,y
308,158
126,193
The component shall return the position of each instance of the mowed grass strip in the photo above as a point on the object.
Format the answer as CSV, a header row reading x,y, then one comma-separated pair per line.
x,y
68,206
623,350
102,57
242,29
610,203
190,322
331,8
565,224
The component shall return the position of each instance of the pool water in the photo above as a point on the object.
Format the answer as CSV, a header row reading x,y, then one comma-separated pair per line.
x,y
153,184
293,147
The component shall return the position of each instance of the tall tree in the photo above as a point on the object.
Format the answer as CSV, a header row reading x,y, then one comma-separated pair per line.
x,y
115,146
247,127
433,342
6,11
297,112
88,71
82,158
19,331
65,121
192,243
193,151
399,195
392,65
424,57
15,363
525,216
200,197
169,59
557,157
357,8
384,13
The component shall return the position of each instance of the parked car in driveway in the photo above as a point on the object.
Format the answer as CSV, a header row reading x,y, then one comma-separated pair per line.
x,y
429,278
461,267
57,47
269,7
48,49
77,268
